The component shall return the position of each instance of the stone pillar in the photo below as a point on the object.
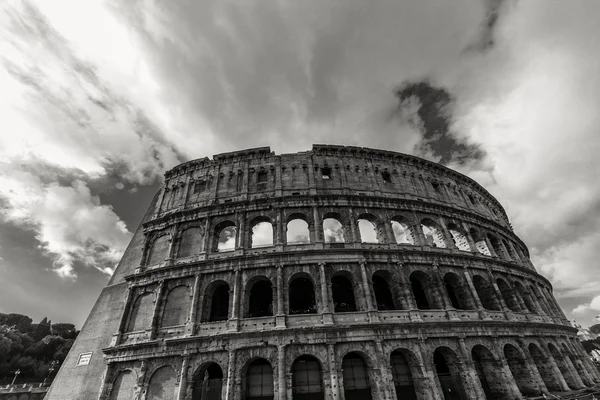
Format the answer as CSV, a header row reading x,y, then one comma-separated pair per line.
x,y
181,391
472,244
325,309
408,294
233,323
469,374
172,239
281,374
318,225
421,241
482,312
231,388
157,306
141,384
241,230
354,230
194,309
333,372
507,311
556,370
208,234
430,383
518,296
570,367
386,382
116,339
532,368
509,380
438,284
280,315
365,286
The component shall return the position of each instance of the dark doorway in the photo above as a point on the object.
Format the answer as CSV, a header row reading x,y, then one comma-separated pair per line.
x,y
219,306
307,379
302,297
449,377
403,381
419,293
356,378
259,380
343,294
208,383
260,302
383,294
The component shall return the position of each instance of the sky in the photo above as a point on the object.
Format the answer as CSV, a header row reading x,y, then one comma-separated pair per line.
x,y
100,97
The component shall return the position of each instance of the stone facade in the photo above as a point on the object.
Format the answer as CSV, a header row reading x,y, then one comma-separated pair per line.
x,y
402,280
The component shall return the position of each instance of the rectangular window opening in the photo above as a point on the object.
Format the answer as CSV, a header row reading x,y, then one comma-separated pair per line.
x,y
325,173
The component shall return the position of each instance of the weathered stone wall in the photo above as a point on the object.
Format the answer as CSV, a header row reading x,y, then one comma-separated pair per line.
x,y
452,303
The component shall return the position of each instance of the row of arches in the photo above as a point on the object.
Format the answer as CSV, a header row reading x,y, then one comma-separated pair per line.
x,y
335,229
423,290
502,372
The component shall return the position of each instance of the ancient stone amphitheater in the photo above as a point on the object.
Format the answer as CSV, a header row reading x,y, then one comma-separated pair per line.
x,y
337,273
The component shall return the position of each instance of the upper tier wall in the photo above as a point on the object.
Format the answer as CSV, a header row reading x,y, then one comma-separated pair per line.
x,y
259,173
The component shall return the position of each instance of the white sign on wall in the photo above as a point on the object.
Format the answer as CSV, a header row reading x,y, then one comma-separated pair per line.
x,y
84,359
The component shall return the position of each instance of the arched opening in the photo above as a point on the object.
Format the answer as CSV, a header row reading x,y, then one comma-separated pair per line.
x,y
423,291
526,296
260,300
447,369
342,292
403,380
259,380
163,384
433,235
262,234
368,231
508,295
497,247
158,250
333,231
480,242
544,368
307,379
208,383
458,292
216,302
458,237
578,366
357,385
383,294
177,307
124,386
403,232
511,251
190,242
302,296
540,300
225,234
489,371
297,232
141,313
518,368
563,367
486,293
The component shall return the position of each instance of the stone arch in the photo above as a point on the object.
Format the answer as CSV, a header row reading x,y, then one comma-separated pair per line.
x,y
581,371
459,237
405,367
517,364
158,250
216,302
458,292
404,233
342,292
563,366
261,232
207,383
301,294
511,251
508,294
307,378
370,229
142,311
259,297
177,306
333,228
434,236
526,296
356,378
424,291
489,371
224,237
259,383
384,298
497,246
190,241
544,367
539,299
480,242
448,367
123,387
162,384
297,229
486,293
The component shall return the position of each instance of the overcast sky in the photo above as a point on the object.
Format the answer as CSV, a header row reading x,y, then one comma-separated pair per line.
x,y
99,98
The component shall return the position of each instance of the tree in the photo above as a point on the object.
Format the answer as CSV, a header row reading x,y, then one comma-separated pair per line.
x,y
595,329
41,330
66,331
19,321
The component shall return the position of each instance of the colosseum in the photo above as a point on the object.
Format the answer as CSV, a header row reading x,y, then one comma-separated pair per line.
x,y
340,273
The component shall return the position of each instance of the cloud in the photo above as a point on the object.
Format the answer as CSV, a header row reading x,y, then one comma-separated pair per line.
x,y
594,305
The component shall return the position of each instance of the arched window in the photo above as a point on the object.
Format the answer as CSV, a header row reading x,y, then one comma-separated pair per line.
x,y
545,368
163,384
225,234
458,292
527,298
307,379
208,383
403,232
190,242
123,387
383,294
458,237
259,380
497,247
508,295
297,232
368,233
447,368
302,296
423,291
260,301
158,251
177,307
262,234
517,364
357,385
141,313
216,302
480,243
403,380
511,251
490,375
563,367
343,294
433,235
486,293
333,231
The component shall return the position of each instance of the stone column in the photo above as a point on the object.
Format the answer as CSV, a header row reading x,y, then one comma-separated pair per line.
x,y
208,234
116,339
509,380
408,294
507,311
566,362
280,316
354,230
333,372
421,241
194,308
386,382
325,309
430,383
366,287
233,323
482,312
532,368
157,307
472,244
518,296
281,374
469,374
181,391
231,388
141,385
172,239
318,230
556,370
